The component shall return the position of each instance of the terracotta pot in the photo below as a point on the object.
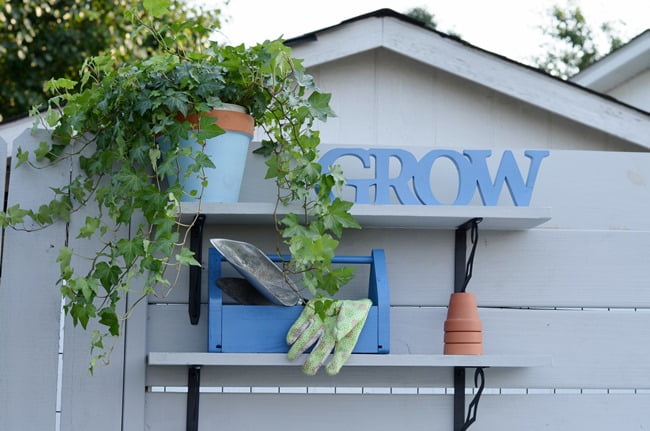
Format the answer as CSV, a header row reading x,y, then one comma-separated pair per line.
x,y
463,337
463,325
231,117
463,329
464,349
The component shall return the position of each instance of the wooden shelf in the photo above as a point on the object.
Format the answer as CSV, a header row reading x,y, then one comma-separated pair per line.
x,y
358,360
386,216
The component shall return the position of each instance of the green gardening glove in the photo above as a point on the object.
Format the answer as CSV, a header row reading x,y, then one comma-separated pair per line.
x,y
305,331
340,331
351,317
309,329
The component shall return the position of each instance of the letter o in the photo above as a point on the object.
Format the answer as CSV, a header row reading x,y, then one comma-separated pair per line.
x,y
466,182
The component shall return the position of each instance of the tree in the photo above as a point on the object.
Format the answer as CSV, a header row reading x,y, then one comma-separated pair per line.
x,y
424,16
43,39
574,43
428,19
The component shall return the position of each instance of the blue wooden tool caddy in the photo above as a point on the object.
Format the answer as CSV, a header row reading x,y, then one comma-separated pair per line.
x,y
234,328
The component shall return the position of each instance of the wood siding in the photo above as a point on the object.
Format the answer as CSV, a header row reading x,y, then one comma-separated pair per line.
x,y
574,288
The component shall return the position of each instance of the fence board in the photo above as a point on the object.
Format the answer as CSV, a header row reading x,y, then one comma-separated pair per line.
x,y
318,412
3,174
595,190
30,304
551,268
135,359
586,190
586,347
391,412
89,399
536,268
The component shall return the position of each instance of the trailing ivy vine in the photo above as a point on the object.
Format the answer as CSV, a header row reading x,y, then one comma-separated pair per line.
x,y
121,126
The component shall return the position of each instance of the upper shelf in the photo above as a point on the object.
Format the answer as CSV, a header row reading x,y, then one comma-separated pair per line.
x,y
359,360
386,216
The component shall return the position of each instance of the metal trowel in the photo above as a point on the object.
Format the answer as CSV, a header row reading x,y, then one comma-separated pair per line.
x,y
259,270
241,291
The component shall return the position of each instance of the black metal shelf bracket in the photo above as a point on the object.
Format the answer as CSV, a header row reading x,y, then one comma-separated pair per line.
x,y
193,393
462,422
463,266
196,246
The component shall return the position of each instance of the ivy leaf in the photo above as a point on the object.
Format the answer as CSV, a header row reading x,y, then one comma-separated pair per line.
x,y
129,181
310,172
157,8
88,288
321,307
81,313
129,249
272,171
108,317
154,156
107,275
92,223
60,84
319,105
323,247
338,217
97,340
266,149
202,161
186,257
64,258
22,156
292,226
332,281
41,152
44,215
60,208
52,117
208,128
308,249
177,102
143,105
16,215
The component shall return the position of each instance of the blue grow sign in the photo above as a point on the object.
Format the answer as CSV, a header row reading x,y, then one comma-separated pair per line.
x,y
412,185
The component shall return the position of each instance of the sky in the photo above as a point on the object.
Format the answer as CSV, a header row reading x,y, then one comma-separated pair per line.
x,y
506,27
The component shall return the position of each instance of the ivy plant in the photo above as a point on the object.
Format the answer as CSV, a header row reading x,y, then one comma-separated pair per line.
x,y
110,124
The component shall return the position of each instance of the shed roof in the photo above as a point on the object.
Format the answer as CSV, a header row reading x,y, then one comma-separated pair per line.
x,y
385,28
619,66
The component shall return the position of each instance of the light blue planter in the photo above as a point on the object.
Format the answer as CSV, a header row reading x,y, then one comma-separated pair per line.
x,y
228,153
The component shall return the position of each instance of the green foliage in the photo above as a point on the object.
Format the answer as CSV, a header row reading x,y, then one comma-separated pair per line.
x,y
424,16
428,19
123,122
41,39
574,43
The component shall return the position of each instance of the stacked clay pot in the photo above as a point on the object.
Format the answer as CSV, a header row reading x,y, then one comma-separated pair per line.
x,y
463,328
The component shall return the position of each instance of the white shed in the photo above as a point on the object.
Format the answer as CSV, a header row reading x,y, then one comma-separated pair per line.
x,y
623,74
562,280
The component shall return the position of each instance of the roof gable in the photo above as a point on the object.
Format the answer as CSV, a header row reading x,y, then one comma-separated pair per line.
x,y
617,67
398,33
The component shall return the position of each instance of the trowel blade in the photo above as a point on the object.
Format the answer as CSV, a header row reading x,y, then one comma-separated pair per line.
x,y
259,270
241,291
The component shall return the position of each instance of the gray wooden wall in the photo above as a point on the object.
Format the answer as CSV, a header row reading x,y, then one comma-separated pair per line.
x,y
575,288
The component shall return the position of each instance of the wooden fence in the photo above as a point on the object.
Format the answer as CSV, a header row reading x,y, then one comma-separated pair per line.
x,y
574,290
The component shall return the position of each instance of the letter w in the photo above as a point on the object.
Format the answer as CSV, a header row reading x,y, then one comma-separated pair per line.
x,y
508,172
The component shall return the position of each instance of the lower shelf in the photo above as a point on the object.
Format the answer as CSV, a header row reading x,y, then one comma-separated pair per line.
x,y
359,360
